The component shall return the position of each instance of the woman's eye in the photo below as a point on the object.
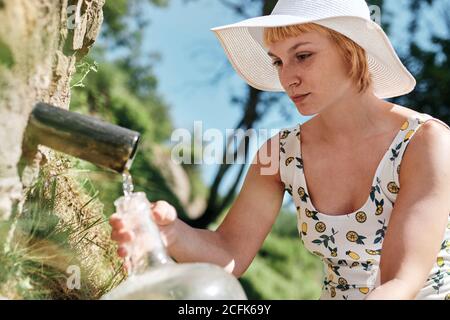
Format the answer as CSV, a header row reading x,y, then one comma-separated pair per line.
x,y
276,63
303,56
300,57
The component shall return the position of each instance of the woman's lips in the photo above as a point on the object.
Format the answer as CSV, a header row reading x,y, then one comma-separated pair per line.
x,y
300,98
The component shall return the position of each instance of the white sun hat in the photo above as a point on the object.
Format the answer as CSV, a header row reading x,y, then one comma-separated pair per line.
x,y
244,45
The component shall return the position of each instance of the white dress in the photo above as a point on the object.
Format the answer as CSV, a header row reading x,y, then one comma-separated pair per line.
x,y
350,245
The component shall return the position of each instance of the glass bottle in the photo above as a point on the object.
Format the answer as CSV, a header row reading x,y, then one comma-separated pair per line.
x,y
154,275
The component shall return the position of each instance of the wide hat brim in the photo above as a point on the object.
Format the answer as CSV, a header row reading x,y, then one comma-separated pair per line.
x,y
243,43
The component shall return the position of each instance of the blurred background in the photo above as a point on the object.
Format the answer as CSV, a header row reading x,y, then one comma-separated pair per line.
x,y
157,67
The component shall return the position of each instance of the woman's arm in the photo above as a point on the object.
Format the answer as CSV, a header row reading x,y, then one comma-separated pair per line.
x,y
238,238
419,218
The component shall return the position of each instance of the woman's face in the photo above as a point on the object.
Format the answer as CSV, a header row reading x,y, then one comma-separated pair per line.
x,y
312,71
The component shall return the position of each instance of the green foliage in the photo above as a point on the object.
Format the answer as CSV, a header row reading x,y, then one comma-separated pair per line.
x,y
108,94
286,224
430,66
119,13
283,269
84,68
433,79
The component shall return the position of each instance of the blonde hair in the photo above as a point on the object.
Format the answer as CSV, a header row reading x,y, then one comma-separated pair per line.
x,y
354,56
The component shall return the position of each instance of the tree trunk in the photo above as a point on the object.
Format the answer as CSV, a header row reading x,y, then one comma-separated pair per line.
x,y
40,42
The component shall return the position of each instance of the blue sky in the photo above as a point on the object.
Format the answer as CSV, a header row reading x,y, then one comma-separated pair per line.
x,y
191,56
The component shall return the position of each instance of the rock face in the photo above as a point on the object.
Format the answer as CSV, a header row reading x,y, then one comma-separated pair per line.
x,y
40,42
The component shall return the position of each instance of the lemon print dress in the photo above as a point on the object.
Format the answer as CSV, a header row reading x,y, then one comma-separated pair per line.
x,y
350,245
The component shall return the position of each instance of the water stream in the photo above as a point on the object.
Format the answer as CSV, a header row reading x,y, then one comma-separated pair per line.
x,y
127,183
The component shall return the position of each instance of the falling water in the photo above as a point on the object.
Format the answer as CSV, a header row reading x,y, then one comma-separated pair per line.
x,y
127,186
127,183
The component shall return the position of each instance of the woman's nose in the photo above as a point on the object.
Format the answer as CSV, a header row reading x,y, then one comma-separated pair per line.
x,y
289,78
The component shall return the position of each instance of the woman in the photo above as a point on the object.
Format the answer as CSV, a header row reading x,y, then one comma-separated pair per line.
x,y
342,167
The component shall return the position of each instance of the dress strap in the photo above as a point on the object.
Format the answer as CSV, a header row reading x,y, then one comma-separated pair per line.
x,y
409,129
288,158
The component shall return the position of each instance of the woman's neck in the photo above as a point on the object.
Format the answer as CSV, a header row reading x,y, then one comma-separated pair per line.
x,y
352,120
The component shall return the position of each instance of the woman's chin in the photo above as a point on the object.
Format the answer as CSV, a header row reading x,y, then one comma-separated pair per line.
x,y
306,110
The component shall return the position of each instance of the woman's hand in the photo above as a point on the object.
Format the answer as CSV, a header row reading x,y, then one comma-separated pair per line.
x,y
162,213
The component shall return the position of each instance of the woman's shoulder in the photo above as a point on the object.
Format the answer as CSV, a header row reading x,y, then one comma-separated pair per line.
x,y
437,126
289,129
405,112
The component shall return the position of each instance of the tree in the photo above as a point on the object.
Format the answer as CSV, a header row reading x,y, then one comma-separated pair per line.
x,y
430,66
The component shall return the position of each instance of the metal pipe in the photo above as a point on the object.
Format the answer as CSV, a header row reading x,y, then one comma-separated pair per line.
x,y
81,136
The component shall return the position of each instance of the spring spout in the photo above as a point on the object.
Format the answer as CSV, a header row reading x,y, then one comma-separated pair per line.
x,y
85,137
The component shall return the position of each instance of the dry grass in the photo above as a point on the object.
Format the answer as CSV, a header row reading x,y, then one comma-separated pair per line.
x,y
62,225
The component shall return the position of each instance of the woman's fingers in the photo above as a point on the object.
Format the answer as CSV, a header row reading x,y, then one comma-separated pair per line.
x,y
121,236
116,221
163,213
122,251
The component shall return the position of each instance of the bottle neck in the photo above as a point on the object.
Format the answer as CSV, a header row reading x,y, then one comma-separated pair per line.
x,y
157,258
149,247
